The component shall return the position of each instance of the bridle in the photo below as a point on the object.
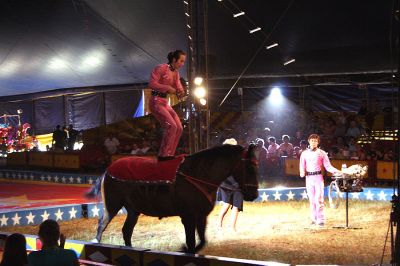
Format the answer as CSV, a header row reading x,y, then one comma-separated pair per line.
x,y
202,185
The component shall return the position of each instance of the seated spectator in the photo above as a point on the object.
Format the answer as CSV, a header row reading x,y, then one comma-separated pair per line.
x,y
111,143
345,152
353,130
262,157
352,144
360,154
145,148
14,253
273,148
340,142
388,156
135,149
286,148
52,253
296,152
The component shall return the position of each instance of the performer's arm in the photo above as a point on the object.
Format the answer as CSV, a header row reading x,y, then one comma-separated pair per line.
x,y
302,165
154,82
327,164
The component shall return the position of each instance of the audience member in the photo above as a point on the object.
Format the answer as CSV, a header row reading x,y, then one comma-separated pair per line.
x,y
58,142
262,157
51,253
111,143
286,148
14,253
353,130
135,149
72,136
273,148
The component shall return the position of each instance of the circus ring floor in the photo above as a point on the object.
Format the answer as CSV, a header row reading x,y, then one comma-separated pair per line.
x,y
275,228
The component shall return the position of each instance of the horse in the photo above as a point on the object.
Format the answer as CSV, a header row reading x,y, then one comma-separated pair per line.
x,y
191,195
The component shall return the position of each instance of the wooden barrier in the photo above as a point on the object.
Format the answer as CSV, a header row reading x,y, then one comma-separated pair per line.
x,y
41,159
17,159
385,170
66,161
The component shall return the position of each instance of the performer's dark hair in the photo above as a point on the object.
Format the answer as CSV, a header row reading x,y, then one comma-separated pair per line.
x,y
272,139
176,54
314,136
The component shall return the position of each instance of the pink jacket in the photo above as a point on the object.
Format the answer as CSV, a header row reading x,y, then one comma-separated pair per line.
x,y
311,161
162,77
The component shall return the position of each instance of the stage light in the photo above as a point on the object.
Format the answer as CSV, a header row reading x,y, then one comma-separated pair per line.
x,y
197,81
238,14
19,111
289,62
185,2
190,37
188,26
275,92
203,101
187,14
57,64
272,46
200,92
254,30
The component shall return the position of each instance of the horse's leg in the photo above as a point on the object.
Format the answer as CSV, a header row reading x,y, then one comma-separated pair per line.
x,y
110,210
189,222
201,231
129,225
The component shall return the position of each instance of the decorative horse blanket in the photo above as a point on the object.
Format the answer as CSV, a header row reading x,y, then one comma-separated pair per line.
x,y
145,169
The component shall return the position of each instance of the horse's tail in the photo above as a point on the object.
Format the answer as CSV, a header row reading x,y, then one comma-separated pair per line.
x,y
96,188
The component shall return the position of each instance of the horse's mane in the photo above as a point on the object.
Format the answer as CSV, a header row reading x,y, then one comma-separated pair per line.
x,y
225,154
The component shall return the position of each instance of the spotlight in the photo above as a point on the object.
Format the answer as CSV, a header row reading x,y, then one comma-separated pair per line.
x,y
272,46
197,81
254,30
275,92
238,14
200,92
19,111
187,14
203,101
289,62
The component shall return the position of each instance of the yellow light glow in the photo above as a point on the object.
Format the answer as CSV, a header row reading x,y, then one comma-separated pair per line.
x,y
200,92
198,80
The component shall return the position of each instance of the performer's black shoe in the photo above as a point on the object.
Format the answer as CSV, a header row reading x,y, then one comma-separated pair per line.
x,y
165,158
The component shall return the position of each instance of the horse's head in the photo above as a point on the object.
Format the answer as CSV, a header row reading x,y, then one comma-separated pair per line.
x,y
246,174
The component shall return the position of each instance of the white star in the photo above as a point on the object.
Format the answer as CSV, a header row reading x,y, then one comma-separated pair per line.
x,y
370,196
1,174
79,180
56,179
304,195
355,195
95,211
30,218
45,216
16,219
91,181
290,195
72,213
63,179
264,197
7,175
25,176
19,176
277,195
13,175
71,179
3,220
58,215
49,178
382,195
32,177
42,177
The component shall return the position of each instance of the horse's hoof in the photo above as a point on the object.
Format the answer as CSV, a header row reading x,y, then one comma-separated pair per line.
x,y
94,240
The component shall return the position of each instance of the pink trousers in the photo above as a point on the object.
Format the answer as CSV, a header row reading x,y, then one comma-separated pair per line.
x,y
169,121
315,192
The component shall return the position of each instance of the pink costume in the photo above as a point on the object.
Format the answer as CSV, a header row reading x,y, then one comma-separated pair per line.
x,y
310,165
161,78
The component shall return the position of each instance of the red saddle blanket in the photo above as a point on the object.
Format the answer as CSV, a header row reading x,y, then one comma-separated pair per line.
x,y
145,169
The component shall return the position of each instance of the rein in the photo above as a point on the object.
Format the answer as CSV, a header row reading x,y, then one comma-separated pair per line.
x,y
195,181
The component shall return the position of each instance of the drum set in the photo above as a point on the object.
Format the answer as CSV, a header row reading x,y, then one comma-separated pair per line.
x,y
14,137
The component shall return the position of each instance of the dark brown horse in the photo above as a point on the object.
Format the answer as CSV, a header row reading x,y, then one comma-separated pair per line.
x,y
192,196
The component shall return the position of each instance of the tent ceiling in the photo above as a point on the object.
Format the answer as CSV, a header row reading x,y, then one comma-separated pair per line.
x,y
49,44
52,44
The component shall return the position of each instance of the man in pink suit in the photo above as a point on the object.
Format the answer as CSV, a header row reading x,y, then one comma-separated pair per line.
x,y
311,161
165,80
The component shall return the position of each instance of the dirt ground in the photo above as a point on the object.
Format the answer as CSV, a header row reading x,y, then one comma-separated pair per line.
x,y
269,231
